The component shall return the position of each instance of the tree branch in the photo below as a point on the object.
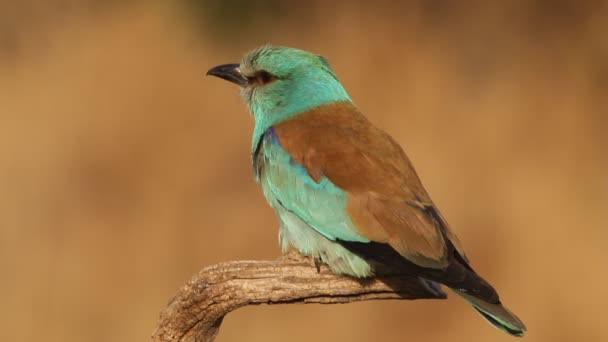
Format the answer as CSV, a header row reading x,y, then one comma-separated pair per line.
x,y
196,312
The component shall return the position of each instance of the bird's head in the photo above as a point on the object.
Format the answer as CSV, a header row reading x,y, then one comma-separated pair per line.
x,y
280,82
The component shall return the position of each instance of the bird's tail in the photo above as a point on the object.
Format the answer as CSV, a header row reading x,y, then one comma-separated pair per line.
x,y
496,314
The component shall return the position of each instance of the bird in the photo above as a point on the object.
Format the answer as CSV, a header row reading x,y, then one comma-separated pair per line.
x,y
344,191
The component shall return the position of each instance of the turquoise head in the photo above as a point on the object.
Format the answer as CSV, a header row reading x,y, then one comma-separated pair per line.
x,y
280,82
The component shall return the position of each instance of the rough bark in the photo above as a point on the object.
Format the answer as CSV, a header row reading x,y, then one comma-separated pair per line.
x,y
196,312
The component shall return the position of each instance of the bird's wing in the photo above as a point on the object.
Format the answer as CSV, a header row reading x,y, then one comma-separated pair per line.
x,y
351,181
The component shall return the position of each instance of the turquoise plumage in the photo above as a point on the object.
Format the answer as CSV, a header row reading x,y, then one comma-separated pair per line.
x,y
306,203
271,103
344,191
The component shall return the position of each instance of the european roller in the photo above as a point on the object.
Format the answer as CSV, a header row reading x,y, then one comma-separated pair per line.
x,y
344,191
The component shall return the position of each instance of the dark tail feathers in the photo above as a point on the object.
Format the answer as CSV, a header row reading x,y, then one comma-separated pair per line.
x,y
496,314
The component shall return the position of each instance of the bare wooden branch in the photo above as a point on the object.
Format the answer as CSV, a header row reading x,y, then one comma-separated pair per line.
x,y
195,313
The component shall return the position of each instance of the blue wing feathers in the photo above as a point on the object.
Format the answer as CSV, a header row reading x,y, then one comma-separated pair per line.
x,y
322,205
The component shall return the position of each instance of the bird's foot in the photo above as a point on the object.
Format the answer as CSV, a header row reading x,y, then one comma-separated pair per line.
x,y
318,262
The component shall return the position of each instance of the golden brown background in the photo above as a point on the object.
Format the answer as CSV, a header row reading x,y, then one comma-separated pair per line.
x,y
123,170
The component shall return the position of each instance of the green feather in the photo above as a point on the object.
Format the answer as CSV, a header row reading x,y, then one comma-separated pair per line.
x,y
303,80
496,314
306,204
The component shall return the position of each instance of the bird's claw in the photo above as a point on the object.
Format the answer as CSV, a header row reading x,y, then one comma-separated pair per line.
x,y
318,262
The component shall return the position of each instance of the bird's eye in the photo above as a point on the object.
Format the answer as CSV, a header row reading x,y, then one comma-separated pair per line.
x,y
264,77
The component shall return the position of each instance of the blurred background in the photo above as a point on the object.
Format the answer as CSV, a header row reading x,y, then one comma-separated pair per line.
x,y
124,170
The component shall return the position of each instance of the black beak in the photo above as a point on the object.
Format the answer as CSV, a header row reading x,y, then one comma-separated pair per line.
x,y
229,72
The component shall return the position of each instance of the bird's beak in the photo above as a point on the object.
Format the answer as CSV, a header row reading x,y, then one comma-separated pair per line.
x,y
229,72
